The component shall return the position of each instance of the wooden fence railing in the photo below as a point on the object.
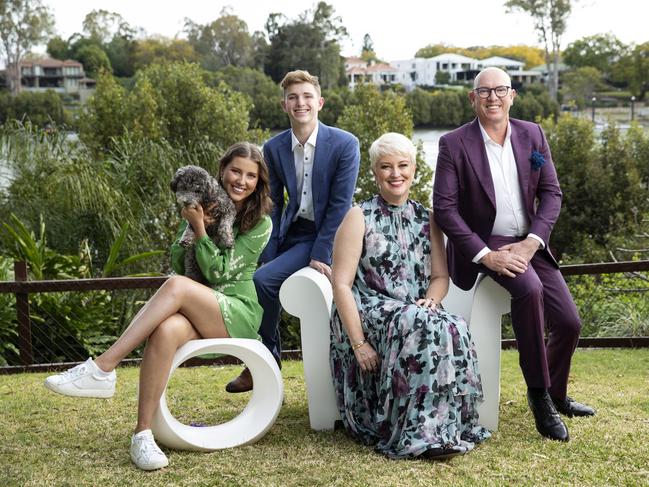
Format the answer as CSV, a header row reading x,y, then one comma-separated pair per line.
x,y
22,288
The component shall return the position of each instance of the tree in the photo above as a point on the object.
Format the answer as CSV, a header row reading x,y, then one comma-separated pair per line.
x,y
530,55
120,51
367,51
446,109
534,103
266,111
169,102
318,33
104,115
58,48
582,83
549,17
259,50
419,102
223,42
94,59
633,69
370,115
433,50
23,25
161,49
101,26
336,99
442,78
599,51
601,183
40,109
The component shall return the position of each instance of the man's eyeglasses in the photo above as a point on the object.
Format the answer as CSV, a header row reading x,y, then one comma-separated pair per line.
x,y
500,91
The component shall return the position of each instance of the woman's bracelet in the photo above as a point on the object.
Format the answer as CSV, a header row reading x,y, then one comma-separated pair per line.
x,y
356,346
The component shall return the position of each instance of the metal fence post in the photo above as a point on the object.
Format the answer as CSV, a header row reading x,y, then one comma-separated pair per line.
x,y
24,323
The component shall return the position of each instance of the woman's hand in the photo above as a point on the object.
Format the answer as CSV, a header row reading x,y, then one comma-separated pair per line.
x,y
207,218
367,358
195,217
429,303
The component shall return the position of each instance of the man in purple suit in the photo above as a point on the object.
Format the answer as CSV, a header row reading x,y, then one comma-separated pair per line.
x,y
497,199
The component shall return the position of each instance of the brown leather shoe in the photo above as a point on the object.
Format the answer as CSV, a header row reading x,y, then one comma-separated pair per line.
x,y
243,383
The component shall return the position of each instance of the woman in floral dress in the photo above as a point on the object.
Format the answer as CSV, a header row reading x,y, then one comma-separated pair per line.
x,y
405,371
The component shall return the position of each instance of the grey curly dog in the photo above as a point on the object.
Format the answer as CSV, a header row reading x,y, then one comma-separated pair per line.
x,y
193,186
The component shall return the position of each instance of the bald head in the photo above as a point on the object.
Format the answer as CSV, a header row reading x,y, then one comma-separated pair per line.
x,y
491,98
493,73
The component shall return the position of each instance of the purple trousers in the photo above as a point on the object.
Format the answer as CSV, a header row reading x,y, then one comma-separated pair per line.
x,y
540,300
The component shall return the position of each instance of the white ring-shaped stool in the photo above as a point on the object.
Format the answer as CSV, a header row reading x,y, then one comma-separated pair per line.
x,y
251,424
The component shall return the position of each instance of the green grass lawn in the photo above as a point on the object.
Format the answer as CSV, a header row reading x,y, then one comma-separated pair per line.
x,y
47,439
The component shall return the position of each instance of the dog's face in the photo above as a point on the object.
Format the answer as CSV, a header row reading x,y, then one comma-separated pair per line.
x,y
191,185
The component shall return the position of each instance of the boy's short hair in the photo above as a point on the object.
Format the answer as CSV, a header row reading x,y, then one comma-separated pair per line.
x,y
299,76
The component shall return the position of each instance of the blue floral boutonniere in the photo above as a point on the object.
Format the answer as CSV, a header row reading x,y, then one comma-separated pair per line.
x,y
537,160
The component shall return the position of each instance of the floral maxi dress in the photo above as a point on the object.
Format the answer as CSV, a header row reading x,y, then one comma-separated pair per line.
x,y
423,398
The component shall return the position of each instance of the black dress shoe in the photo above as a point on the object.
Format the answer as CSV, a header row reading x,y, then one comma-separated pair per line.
x,y
548,422
243,383
569,407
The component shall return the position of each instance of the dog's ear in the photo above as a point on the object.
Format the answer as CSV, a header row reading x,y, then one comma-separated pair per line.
x,y
176,178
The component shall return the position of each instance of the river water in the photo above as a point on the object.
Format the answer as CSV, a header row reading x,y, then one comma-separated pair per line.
x,y
430,139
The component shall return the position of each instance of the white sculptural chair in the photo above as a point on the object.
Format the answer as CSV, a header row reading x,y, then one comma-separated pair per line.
x,y
251,424
483,307
307,294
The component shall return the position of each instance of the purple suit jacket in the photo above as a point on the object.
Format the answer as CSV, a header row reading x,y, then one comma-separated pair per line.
x,y
464,200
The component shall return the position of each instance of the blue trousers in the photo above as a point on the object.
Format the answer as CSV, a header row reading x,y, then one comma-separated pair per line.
x,y
294,253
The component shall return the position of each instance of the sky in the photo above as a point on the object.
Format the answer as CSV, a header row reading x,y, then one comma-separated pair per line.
x,y
397,33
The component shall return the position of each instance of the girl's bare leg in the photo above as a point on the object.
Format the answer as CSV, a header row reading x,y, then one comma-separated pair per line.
x,y
158,355
178,295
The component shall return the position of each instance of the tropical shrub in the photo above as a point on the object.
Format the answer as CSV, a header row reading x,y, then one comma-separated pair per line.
x,y
68,325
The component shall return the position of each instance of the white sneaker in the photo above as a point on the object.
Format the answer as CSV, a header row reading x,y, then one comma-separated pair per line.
x,y
84,380
145,453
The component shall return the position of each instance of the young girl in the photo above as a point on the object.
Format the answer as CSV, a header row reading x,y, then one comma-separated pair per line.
x,y
183,309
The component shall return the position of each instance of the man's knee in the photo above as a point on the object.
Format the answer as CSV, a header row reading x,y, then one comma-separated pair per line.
x,y
266,282
259,279
570,323
529,288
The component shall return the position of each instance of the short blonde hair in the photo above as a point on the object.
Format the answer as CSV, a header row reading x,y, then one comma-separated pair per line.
x,y
299,76
392,143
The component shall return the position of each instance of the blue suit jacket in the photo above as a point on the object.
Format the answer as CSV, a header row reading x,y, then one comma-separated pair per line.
x,y
335,170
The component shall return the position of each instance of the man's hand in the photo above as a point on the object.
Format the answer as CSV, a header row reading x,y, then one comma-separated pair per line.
x,y
504,262
525,248
321,267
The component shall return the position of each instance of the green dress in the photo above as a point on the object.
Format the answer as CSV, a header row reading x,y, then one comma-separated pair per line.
x,y
229,272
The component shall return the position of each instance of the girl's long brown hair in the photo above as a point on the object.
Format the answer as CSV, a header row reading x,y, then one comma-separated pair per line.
x,y
258,204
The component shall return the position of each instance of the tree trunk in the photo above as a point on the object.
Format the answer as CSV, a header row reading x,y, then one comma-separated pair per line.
x,y
13,78
554,86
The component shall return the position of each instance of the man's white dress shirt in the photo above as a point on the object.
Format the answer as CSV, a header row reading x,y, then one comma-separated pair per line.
x,y
303,156
511,216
